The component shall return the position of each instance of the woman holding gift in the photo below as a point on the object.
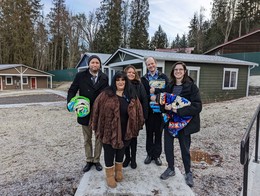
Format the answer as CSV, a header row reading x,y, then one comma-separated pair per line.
x,y
183,86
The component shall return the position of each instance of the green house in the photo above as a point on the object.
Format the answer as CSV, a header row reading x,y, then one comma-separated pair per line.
x,y
219,78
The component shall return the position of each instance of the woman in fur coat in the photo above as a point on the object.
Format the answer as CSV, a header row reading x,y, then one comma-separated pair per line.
x,y
117,117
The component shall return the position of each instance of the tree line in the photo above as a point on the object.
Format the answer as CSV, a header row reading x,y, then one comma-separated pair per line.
x,y
55,40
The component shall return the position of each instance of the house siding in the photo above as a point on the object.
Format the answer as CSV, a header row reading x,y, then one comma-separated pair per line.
x,y
27,72
9,71
246,48
42,82
211,85
246,44
211,81
33,72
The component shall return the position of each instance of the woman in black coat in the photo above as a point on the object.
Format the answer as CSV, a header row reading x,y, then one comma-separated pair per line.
x,y
182,85
141,94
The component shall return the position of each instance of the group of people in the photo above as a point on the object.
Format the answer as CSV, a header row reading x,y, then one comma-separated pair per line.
x,y
118,112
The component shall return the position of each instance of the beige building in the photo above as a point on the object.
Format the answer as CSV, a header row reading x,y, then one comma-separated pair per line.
x,y
19,76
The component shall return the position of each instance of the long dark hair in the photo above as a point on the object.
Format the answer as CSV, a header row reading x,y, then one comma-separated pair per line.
x,y
185,78
128,91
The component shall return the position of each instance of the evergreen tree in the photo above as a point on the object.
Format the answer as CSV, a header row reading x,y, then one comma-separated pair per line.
x,y
177,41
248,15
17,23
139,36
183,42
159,40
194,29
197,31
109,36
173,44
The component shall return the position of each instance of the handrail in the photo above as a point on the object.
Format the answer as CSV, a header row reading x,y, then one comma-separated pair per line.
x,y
244,147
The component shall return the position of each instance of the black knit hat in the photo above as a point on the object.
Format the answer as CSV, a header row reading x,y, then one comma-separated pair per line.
x,y
94,57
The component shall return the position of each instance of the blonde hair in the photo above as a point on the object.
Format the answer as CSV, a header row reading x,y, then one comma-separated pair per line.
x,y
137,77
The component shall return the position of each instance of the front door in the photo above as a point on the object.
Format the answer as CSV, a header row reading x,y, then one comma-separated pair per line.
x,y
1,84
33,83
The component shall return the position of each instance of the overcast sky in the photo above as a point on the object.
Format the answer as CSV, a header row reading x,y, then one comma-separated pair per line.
x,y
173,15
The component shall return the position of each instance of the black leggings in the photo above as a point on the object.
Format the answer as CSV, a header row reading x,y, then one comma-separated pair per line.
x,y
131,147
112,155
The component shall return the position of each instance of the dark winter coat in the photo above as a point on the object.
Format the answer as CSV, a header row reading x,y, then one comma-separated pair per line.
x,y
191,92
83,83
141,94
105,119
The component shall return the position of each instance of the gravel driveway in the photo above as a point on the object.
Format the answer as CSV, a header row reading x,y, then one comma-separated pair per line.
x,y
31,99
42,148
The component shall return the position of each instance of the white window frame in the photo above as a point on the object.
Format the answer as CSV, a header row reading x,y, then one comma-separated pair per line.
x,y
140,72
231,70
11,80
192,68
25,77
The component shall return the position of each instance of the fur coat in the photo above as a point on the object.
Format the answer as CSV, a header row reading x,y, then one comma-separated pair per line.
x,y
105,119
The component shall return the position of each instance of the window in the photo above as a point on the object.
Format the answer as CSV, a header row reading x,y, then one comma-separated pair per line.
x,y
9,80
139,71
25,80
194,73
106,70
230,78
160,69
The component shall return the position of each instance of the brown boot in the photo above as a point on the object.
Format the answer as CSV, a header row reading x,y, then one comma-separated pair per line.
x,y
119,172
110,176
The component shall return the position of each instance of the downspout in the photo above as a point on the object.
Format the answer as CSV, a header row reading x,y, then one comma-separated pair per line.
x,y
248,78
253,66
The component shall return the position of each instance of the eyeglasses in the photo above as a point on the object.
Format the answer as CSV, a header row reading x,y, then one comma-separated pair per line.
x,y
178,69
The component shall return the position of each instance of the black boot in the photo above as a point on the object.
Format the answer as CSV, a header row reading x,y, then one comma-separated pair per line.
x,y
133,163
127,157
133,153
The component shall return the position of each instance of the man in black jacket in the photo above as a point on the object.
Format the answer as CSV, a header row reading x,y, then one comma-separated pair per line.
x,y
89,83
154,122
